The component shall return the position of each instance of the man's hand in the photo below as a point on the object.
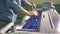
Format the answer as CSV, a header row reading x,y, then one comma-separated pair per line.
x,y
32,13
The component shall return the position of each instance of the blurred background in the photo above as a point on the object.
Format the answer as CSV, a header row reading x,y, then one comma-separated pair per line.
x,y
38,4
41,1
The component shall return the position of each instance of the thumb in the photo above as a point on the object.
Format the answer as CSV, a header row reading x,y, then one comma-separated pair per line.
x,y
36,13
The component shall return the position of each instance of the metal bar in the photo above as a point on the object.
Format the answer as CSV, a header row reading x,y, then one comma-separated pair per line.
x,y
7,27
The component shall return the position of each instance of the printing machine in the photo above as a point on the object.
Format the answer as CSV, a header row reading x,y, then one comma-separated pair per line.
x,y
47,21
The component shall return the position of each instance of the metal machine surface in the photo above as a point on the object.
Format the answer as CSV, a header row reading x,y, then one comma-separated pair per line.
x,y
50,21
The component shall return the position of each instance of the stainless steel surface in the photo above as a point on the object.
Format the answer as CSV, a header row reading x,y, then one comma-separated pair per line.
x,y
55,18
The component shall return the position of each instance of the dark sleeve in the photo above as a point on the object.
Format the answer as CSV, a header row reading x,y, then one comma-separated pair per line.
x,y
23,1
